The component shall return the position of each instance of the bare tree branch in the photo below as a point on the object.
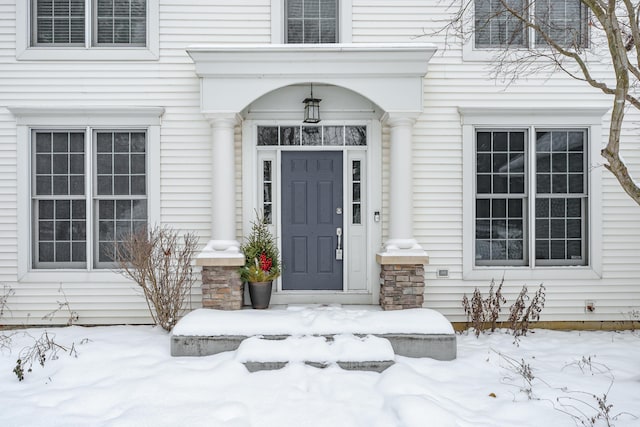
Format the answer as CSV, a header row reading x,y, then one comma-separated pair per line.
x,y
616,21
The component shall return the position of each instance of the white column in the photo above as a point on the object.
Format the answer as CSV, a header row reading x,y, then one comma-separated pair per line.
x,y
223,241
401,239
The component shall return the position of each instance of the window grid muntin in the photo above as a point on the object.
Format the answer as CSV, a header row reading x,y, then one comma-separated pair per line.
x,y
546,15
356,192
134,22
312,135
87,208
501,27
118,212
58,20
59,217
309,24
531,38
501,226
267,191
87,33
556,232
576,223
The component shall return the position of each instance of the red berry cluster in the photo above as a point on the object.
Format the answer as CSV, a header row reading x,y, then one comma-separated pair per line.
x,y
265,262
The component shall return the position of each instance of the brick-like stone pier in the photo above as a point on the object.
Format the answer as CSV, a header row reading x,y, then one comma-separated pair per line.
x,y
401,281
401,286
222,288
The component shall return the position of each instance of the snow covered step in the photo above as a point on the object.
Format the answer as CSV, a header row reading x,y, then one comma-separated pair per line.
x,y
417,332
348,351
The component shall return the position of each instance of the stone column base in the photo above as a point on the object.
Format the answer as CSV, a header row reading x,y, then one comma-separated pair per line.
x,y
402,279
401,286
222,288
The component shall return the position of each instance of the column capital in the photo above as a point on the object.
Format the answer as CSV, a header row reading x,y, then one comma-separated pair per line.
x,y
223,119
394,119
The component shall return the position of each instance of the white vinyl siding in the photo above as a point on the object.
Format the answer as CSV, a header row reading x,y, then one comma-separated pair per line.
x,y
183,156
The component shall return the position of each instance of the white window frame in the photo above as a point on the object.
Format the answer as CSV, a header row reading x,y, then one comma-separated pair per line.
x,y
89,118
472,53
26,52
278,21
531,119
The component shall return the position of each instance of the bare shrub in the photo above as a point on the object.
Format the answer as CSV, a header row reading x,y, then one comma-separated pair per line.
x,y
474,311
63,307
521,315
484,312
522,370
5,338
43,349
586,409
7,291
161,265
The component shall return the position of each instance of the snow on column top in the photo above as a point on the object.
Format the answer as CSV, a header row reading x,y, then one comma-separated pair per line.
x,y
312,321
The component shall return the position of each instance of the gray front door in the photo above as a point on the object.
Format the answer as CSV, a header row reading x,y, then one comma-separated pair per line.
x,y
311,216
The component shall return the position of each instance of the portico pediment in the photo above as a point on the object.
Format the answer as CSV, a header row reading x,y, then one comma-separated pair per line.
x,y
389,75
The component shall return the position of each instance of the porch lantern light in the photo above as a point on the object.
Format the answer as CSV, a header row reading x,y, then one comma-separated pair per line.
x,y
311,109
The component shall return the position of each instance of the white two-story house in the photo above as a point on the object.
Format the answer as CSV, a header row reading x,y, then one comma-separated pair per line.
x,y
198,114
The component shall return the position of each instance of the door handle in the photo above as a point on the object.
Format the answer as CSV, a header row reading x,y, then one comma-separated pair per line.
x,y
339,249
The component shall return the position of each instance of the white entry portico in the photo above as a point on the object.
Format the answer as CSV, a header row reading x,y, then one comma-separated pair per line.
x,y
361,85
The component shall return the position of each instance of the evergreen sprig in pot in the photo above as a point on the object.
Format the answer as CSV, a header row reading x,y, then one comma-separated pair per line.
x,y
262,263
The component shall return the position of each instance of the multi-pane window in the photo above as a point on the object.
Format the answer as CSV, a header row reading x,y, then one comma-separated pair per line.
x,y
59,199
312,135
120,190
495,27
356,192
497,24
82,209
267,191
311,21
500,197
112,23
561,197
566,22
508,170
59,22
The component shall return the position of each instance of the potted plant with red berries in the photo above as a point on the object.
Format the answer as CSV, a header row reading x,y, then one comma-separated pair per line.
x,y
262,263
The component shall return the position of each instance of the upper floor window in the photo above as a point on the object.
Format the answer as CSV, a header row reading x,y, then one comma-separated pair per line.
x,y
87,23
311,21
499,23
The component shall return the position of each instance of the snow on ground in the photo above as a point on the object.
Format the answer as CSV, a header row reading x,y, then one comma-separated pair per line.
x,y
340,348
124,376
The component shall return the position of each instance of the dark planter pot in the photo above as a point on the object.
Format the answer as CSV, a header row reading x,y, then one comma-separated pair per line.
x,y
260,293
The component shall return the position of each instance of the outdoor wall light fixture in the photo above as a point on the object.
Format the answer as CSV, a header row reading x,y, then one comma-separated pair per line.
x,y
311,108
